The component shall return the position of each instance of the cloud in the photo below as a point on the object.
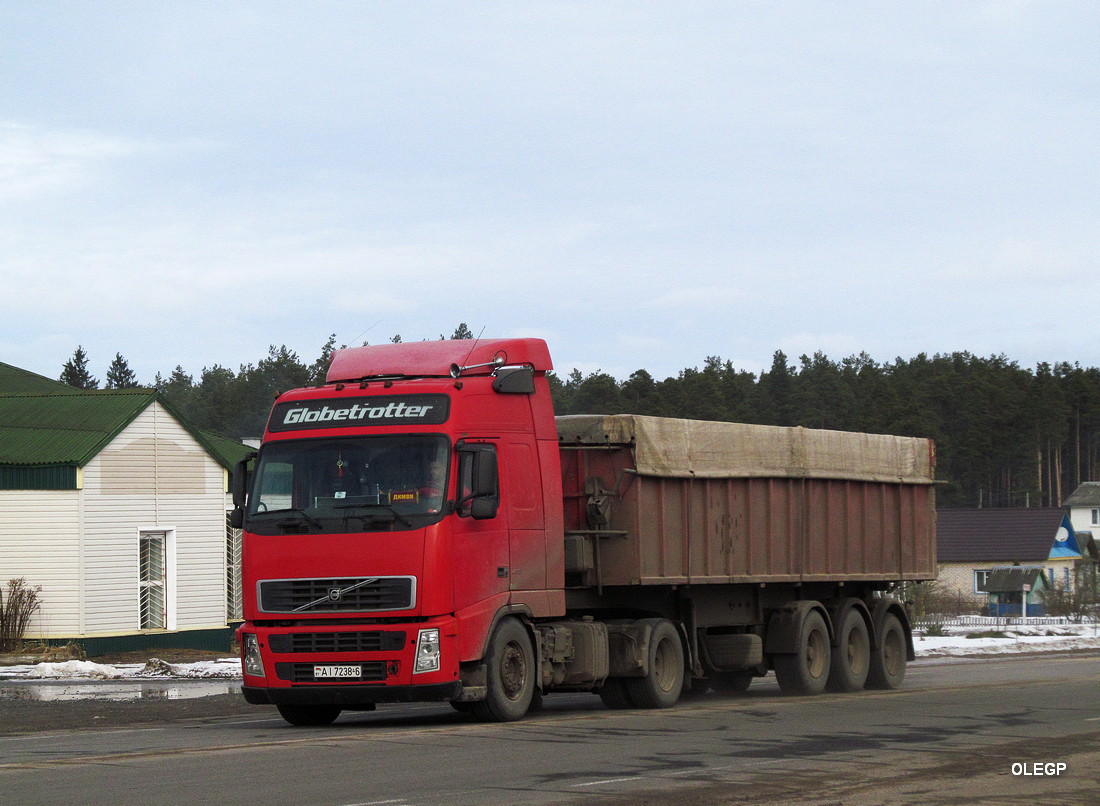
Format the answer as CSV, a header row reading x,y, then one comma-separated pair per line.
x,y
35,162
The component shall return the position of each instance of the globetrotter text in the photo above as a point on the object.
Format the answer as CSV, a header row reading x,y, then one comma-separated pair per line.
x,y
325,414
357,411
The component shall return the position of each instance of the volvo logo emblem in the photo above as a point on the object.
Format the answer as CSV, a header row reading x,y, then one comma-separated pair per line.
x,y
334,594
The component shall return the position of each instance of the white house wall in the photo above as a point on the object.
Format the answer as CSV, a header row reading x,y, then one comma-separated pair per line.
x,y
153,476
40,541
1081,519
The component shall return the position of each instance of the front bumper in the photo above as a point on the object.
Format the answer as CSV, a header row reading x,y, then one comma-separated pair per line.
x,y
351,695
384,655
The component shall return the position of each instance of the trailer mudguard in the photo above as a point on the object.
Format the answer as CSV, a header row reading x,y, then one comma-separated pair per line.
x,y
838,611
785,627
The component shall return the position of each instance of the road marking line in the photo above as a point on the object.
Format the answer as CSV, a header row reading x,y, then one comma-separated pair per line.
x,y
605,781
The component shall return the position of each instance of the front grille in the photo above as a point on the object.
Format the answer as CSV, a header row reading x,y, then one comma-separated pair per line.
x,y
375,641
371,672
337,595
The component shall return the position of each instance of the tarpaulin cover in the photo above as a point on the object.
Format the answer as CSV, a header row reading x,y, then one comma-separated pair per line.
x,y
704,449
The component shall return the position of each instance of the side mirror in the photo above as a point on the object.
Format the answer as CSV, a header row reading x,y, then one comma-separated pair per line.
x,y
238,486
514,381
482,509
478,480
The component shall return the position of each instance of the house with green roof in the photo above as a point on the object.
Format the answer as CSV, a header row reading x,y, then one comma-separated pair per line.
x,y
116,508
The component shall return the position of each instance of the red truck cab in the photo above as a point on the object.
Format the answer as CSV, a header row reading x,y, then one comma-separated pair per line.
x,y
393,517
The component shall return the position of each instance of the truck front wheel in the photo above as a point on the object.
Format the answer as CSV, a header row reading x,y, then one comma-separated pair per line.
x,y
309,715
661,687
511,675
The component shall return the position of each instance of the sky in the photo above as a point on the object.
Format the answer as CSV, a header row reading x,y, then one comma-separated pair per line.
x,y
642,184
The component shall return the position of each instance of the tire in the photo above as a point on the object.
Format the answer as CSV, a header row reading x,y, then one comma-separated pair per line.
x,y
511,675
851,661
536,702
661,687
614,695
727,683
888,657
304,716
805,672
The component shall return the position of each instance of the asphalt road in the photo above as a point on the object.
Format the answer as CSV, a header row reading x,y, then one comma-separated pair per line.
x,y
957,733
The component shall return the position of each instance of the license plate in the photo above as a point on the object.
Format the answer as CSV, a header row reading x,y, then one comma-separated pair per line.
x,y
330,672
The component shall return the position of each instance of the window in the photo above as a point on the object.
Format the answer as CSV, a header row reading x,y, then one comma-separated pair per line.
x,y
152,574
1096,517
234,606
981,579
340,485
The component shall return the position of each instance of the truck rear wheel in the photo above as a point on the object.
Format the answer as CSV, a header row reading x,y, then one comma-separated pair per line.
x,y
614,694
805,672
309,715
511,675
888,658
661,687
851,659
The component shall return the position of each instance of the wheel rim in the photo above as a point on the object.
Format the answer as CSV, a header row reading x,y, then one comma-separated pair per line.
x,y
817,650
857,649
513,671
664,665
892,652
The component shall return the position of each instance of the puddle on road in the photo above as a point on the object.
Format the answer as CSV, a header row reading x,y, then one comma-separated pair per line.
x,y
118,691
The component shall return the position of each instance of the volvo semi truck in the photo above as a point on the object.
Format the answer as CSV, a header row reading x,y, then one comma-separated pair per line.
x,y
423,528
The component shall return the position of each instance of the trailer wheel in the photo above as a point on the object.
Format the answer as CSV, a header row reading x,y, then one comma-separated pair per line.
x,y
888,656
309,715
851,659
511,675
661,687
805,672
614,694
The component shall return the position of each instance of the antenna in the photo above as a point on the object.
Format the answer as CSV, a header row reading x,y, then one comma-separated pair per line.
x,y
365,332
473,346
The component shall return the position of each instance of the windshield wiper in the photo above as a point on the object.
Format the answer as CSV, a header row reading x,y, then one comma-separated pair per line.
x,y
291,521
374,517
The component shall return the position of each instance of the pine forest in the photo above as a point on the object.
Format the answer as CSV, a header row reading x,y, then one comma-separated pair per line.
x,y
1006,435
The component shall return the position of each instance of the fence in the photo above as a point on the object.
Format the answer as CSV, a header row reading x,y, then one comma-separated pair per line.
x,y
1001,621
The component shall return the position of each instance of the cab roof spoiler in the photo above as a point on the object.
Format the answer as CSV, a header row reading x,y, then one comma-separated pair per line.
x,y
427,359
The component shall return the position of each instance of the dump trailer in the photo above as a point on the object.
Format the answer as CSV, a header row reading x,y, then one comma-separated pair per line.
x,y
422,528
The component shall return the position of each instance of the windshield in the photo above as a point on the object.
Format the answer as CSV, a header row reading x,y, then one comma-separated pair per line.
x,y
343,484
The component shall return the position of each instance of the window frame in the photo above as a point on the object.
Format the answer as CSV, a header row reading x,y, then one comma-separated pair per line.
x,y
983,575
156,579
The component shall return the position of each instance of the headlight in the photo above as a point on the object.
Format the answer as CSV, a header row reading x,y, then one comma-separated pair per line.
x,y
427,652
253,663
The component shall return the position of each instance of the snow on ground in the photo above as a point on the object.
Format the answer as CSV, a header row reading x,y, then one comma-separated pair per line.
x,y
956,643
1018,638
154,669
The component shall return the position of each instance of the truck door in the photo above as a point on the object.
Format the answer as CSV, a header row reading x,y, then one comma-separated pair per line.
x,y
481,565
